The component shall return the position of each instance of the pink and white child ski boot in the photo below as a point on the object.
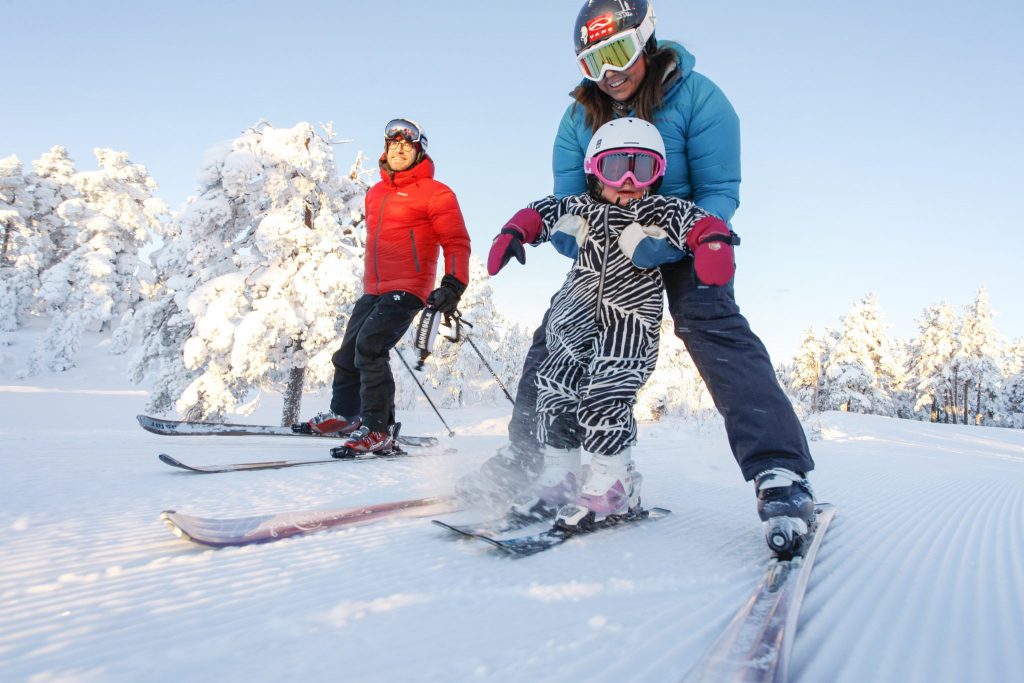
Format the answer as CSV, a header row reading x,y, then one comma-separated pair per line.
x,y
611,489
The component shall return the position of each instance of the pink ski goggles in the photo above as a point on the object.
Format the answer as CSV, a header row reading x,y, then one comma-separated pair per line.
x,y
616,166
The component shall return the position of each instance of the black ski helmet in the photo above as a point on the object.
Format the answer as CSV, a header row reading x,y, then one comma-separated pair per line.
x,y
599,19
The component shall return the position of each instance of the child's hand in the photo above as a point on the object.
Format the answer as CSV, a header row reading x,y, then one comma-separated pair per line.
x,y
711,242
568,235
647,246
522,227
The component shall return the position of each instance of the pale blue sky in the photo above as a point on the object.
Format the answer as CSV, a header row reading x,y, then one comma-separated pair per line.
x,y
881,140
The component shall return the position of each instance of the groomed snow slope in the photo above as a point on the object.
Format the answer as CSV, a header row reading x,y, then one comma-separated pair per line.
x,y
921,577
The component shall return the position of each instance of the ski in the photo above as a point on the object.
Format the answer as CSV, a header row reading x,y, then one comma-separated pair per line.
x,y
524,546
757,643
266,528
280,464
185,428
492,527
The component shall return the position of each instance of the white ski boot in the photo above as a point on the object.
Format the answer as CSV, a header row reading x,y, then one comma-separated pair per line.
x,y
557,484
611,489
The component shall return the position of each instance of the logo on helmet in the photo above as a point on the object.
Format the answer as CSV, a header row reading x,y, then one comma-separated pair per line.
x,y
600,27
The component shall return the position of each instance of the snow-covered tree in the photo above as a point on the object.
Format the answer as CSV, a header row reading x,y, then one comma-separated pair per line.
x,y
805,377
861,372
976,362
31,230
269,316
97,283
17,271
50,184
197,249
1013,385
929,361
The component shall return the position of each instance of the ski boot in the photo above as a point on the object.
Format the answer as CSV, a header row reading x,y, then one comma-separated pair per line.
x,y
501,478
785,503
557,484
611,490
365,442
328,423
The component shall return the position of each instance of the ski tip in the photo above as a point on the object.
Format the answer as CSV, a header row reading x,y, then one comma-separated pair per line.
x,y
167,517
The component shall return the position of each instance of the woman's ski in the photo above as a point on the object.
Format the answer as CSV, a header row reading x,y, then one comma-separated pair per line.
x,y
756,644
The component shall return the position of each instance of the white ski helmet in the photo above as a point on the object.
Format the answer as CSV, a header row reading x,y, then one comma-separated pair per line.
x,y
624,133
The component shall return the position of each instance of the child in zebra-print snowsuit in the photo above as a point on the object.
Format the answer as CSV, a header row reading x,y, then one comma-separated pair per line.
x,y
602,330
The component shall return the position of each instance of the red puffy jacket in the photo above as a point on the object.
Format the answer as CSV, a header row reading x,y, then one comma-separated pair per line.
x,y
408,216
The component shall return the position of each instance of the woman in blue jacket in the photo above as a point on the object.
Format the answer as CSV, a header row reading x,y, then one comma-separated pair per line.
x,y
629,73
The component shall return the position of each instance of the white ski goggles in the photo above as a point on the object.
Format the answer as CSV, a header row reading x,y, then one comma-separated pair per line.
x,y
617,53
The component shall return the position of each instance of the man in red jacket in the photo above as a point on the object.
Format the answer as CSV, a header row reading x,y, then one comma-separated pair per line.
x,y
409,218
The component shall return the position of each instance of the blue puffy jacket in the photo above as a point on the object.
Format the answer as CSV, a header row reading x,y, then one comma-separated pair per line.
x,y
702,140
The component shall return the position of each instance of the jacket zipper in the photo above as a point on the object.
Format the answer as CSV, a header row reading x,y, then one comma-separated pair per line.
x,y
415,256
604,263
376,239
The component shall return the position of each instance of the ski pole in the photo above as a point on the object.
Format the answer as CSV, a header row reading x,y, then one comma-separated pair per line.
x,y
460,336
451,432
493,373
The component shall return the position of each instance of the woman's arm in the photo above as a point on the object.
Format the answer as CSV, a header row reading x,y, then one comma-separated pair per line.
x,y
567,155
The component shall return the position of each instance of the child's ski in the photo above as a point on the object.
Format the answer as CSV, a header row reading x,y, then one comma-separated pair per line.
x,y
522,546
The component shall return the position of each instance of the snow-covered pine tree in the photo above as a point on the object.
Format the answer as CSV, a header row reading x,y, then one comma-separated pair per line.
x,y
805,377
51,184
861,373
976,362
929,361
273,320
902,395
37,237
97,283
198,248
1013,386
18,272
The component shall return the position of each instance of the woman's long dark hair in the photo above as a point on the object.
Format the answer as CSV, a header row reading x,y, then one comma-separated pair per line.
x,y
600,109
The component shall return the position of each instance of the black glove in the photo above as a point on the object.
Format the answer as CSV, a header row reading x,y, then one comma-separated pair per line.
x,y
446,297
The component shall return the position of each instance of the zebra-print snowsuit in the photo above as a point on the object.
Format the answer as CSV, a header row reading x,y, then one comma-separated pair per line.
x,y
603,328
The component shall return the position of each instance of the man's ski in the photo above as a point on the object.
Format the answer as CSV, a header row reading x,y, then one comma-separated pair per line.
x,y
522,546
279,464
757,643
265,528
183,428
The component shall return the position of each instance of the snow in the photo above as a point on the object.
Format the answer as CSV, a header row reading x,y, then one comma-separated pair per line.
x,y
921,577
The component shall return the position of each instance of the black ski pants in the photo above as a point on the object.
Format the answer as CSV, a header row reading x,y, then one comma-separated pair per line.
x,y
762,428
363,384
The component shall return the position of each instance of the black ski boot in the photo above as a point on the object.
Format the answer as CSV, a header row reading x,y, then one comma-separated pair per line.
x,y
785,503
